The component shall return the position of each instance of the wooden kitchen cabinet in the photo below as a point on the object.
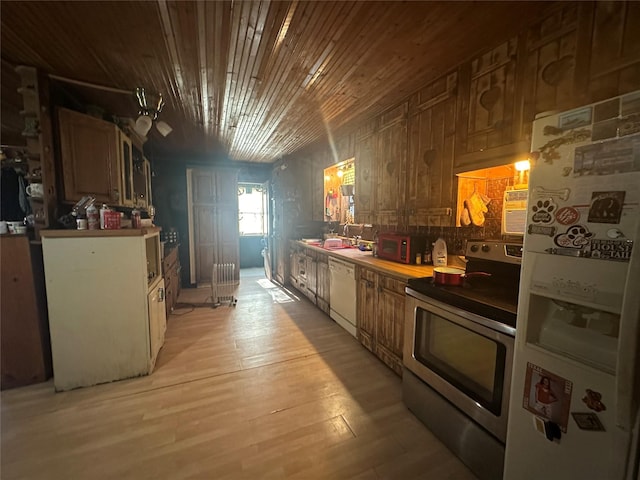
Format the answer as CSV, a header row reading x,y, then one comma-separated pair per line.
x,y
365,153
489,123
303,271
105,298
430,180
24,332
171,275
96,159
390,321
322,282
380,316
390,167
366,308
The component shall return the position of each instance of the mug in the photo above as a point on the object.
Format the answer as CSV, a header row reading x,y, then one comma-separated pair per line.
x,y
35,190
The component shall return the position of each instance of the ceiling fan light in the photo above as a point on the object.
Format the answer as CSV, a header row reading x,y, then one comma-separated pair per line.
x,y
143,125
163,128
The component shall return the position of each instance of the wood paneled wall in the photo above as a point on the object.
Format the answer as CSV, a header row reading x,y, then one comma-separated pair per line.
x,y
480,114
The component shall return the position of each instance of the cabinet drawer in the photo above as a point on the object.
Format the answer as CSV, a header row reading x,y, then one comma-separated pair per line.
x,y
392,284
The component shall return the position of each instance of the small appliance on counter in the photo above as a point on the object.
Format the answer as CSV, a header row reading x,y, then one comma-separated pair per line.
x,y
401,247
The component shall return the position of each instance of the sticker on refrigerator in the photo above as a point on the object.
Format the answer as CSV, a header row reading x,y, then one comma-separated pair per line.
x,y
606,158
588,421
547,395
567,216
606,249
575,118
543,210
549,151
576,236
541,230
629,125
606,207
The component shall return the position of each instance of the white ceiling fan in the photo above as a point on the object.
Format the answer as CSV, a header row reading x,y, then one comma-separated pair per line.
x,y
149,104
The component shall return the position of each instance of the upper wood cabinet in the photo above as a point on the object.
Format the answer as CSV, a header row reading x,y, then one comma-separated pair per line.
x,y
489,123
615,48
96,159
365,153
430,179
390,167
555,69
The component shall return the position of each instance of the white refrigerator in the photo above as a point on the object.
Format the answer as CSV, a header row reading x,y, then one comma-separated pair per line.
x,y
575,388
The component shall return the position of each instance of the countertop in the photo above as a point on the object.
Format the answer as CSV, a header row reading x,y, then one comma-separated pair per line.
x,y
366,259
120,232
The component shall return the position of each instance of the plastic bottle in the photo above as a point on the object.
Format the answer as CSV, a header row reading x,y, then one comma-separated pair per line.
x,y
93,217
103,209
439,255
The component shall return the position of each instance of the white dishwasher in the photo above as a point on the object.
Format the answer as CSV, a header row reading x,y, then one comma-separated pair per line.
x,y
342,294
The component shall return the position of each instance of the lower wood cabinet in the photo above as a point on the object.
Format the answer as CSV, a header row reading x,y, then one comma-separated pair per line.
x,y
24,332
322,282
171,275
380,301
380,316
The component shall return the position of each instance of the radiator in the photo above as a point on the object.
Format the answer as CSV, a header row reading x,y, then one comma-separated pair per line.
x,y
224,283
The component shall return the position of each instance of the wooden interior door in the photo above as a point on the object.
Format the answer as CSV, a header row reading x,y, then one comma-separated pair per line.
x,y
215,221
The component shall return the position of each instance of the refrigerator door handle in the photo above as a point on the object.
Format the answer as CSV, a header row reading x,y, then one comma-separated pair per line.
x,y
627,382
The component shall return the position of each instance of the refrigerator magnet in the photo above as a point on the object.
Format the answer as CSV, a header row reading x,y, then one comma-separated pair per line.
x,y
541,230
588,421
543,211
567,216
606,207
547,395
606,249
576,236
593,400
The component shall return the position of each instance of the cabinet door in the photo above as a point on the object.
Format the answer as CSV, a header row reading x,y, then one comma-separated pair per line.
x,y
390,322
157,320
125,161
147,178
553,69
322,282
430,179
365,308
390,168
294,267
365,151
490,116
90,158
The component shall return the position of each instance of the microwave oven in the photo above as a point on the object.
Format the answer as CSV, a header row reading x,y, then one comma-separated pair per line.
x,y
400,247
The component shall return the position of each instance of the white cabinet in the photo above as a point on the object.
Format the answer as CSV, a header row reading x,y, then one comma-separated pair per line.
x,y
105,296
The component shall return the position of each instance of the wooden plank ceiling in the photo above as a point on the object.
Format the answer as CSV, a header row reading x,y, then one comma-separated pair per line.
x,y
250,80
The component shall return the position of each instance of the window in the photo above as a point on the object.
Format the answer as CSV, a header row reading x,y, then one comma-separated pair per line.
x,y
251,209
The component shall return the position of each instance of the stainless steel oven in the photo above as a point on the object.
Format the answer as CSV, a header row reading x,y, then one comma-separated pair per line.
x,y
462,357
458,355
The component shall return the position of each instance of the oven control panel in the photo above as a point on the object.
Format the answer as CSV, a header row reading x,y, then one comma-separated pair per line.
x,y
495,251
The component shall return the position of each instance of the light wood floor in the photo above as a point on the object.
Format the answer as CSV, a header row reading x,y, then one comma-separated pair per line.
x,y
272,388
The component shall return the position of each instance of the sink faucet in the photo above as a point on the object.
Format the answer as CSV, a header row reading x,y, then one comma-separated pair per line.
x,y
345,230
